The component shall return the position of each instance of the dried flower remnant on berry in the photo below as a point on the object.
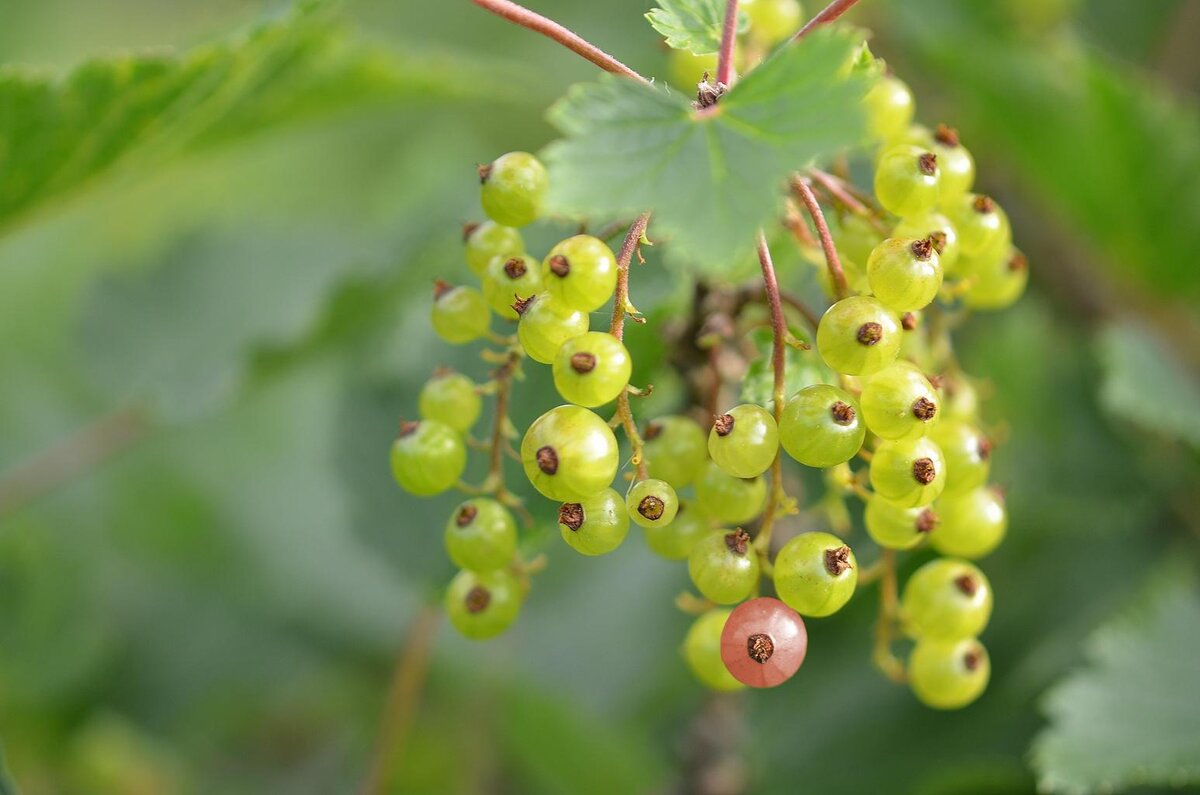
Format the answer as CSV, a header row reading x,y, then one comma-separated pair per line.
x,y
466,515
583,362
723,425
926,521
571,515
651,507
947,136
477,599
738,541
967,584
908,322
927,163
923,249
843,413
869,333
924,409
760,647
984,204
924,471
837,560
560,266
515,268
547,460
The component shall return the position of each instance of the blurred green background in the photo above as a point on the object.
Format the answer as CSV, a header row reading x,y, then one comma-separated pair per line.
x,y
216,246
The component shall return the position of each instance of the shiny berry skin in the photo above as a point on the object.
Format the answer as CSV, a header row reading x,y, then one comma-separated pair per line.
x,y
724,567
815,574
508,279
960,401
545,324
451,398
481,535
973,524
858,336
592,369
488,240
956,162
513,188
728,499
822,426
772,21
940,230
980,222
898,528
905,274
744,441
968,455
594,525
907,180
482,605
428,457
890,108
652,503
675,449
948,674
702,651
899,402
684,69
946,599
998,283
908,472
764,642
460,314
569,453
581,272
674,541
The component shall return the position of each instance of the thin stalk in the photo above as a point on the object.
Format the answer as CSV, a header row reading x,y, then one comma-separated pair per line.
x,y
804,193
762,542
728,43
617,329
827,15
885,623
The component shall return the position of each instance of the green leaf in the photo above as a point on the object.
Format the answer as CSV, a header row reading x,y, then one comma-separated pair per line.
x,y
1129,718
801,368
1147,385
693,25
711,178
7,785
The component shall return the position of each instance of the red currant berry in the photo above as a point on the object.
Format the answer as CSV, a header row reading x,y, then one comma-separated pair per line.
x,y
764,642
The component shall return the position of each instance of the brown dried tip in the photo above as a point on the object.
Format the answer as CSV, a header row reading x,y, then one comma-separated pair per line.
x,y
967,584
547,460
837,560
926,521
760,647
515,268
924,471
984,446
521,304
738,541
723,425
939,240
468,229
651,507
559,265
708,94
927,163
653,429
908,321
947,136
869,333
984,204
923,409
842,413
923,249
935,381
972,659
466,515
440,288
408,427
583,362
485,171
478,598
571,515
1018,262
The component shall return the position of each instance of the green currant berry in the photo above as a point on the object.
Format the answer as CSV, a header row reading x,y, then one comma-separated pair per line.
x,y
545,324
674,449
729,499
481,535
581,272
815,574
946,599
898,528
856,238
1000,284
595,525
981,224
508,280
959,401
652,503
513,188
489,240
428,457
702,651
899,402
724,567
674,541
482,605
684,70
948,674
592,369
744,441
958,167
569,453
451,398
907,180
939,230
772,21
905,273
973,524
858,336
908,472
460,314
968,455
822,426
890,108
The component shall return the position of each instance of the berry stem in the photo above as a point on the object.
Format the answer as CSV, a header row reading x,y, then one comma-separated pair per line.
x,y
885,623
620,305
827,15
522,16
805,194
779,332
835,187
728,42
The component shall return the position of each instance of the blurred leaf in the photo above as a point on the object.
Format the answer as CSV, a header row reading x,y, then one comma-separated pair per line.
x,y
1147,385
801,369
693,25
1130,717
713,178
7,785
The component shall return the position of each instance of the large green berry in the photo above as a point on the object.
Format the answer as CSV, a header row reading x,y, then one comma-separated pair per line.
x,y
899,402
488,240
858,336
729,499
973,524
772,21
890,108
948,674
702,650
894,527
724,567
744,441
907,180
569,453
946,599
674,541
592,369
482,605
674,449
815,574
428,457
451,398
460,314
968,455
581,271
545,324
652,503
998,283
905,273
510,279
981,223
594,525
481,535
513,188
955,161
908,472
940,231
822,426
